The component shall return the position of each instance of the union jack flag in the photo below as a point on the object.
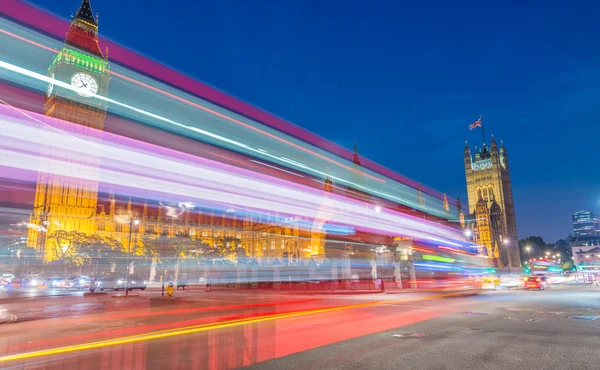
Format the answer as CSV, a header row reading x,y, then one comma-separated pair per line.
x,y
476,124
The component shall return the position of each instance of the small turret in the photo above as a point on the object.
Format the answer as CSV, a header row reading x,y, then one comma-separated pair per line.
x,y
494,152
503,156
468,158
113,205
356,158
420,198
145,211
328,182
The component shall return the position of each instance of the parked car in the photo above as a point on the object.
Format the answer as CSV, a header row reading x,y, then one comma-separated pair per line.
x,y
116,281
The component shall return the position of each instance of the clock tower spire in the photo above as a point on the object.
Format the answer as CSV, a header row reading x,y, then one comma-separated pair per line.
x,y
83,31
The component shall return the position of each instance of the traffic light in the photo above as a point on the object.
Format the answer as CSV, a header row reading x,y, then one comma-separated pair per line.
x,y
527,270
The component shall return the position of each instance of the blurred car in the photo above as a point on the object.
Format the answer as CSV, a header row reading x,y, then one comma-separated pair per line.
x,y
511,281
7,277
33,281
557,279
536,282
74,282
83,282
53,282
5,283
116,281
490,282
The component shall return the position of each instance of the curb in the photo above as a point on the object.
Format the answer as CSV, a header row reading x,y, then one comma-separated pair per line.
x,y
92,294
125,296
334,292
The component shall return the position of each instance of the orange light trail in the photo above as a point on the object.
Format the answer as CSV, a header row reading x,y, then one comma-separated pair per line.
x,y
205,327
208,110
454,250
423,250
28,41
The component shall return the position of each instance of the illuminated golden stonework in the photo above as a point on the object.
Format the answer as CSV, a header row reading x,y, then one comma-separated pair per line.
x,y
491,203
67,204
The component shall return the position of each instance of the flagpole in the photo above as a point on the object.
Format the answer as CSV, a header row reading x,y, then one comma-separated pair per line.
x,y
482,133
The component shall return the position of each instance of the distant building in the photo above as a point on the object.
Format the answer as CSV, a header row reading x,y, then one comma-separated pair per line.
x,y
489,188
586,252
585,224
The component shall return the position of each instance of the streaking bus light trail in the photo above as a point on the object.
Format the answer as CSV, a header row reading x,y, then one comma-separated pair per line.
x,y
257,150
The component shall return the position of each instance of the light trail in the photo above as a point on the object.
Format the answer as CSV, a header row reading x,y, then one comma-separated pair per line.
x,y
50,80
135,330
208,110
206,327
212,182
277,168
384,194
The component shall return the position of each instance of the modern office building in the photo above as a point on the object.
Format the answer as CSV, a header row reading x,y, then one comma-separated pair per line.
x,y
585,223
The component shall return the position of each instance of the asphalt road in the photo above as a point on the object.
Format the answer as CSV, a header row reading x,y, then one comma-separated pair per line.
x,y
501,330
220,330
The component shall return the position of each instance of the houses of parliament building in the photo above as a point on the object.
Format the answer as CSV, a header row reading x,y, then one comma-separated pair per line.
x,y
68,204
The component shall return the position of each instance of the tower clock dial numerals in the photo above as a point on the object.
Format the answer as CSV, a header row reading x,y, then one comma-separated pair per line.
x,y
50,86
84,84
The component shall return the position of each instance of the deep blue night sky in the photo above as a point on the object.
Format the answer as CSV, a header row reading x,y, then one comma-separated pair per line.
x,y
405,78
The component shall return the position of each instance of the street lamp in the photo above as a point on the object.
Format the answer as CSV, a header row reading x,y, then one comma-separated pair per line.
x,y
528,249
131,223
468,233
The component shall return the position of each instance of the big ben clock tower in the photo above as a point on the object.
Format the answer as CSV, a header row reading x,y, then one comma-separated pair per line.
x,y
82,65
63,202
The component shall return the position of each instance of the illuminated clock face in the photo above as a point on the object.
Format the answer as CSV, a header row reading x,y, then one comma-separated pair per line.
x,y
84,84
50,86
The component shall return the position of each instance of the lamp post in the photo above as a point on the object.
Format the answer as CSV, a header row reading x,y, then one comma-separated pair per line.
x,y
131,223
506,242
528,249
468,233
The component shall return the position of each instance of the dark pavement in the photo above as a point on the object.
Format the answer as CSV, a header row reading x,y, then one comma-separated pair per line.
x,y
502,330
222,330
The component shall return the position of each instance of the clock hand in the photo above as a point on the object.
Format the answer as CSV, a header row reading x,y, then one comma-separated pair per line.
x,y
83,85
